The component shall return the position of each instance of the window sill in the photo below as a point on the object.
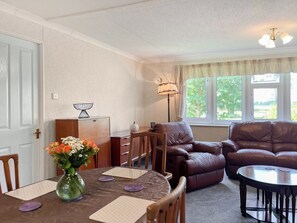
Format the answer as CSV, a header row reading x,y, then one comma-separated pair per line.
x,y
209,125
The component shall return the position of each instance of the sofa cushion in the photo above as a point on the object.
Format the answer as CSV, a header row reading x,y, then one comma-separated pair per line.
x,y
177,132
287,159
202,162
278,147
284,132
245,157
251,131
255,145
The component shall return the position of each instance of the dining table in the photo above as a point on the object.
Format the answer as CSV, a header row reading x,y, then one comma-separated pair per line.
x,y
98,194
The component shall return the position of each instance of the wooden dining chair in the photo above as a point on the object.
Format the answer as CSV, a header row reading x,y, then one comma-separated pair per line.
x,y
7,171
144,145
169,208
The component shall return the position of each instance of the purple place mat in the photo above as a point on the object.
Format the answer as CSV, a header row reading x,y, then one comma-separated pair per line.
x,y
133,187
106,178
30,206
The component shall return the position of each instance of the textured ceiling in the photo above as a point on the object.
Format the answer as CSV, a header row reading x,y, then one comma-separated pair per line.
x,y
160,30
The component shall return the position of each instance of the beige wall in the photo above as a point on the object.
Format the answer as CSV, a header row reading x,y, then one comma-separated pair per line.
x,y
210,133
80,72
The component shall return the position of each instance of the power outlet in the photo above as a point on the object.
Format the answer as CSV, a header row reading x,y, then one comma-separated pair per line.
x,y
55,96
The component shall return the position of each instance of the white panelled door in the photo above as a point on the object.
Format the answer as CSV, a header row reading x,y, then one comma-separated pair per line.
x,y
19,105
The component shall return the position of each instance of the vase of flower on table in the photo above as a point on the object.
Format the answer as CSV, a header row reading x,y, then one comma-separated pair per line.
x,y
69,156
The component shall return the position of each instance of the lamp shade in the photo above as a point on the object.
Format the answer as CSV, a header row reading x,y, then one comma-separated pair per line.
x,y
167,88
286,38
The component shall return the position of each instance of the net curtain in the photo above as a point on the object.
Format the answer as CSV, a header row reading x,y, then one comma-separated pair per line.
x,y
182,73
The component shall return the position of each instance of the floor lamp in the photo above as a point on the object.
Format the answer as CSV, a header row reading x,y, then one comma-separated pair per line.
x,y
167,89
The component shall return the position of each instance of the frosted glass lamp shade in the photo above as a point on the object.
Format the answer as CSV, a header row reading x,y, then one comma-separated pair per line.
x,y
286,38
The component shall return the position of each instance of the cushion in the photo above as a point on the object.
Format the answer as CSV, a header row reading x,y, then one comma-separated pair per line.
x,y
287,159
250,131
202,162
177,132
284,132
244,157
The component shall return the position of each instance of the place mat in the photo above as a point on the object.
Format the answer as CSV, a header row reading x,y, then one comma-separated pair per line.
x,y
124,209
33,190
125,172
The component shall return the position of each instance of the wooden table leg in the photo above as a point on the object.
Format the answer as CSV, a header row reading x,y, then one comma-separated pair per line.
x,y
287,205
281,206
242,189
294,192
277,200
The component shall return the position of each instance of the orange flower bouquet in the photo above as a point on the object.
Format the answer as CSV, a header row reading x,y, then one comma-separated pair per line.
x,y
72,153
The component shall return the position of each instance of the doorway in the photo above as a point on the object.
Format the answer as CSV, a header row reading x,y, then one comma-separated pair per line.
x,y
19,105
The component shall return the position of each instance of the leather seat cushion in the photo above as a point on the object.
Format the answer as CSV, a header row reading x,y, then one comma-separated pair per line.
x,y
245,157
202,162
287,159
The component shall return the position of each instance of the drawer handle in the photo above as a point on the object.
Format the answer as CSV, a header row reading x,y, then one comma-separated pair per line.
x,y
125,153
94,120
126,144
127,137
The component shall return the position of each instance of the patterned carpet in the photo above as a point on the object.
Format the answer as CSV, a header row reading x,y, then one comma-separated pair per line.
x,y
217,204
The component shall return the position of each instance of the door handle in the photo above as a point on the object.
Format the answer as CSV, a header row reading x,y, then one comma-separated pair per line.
x,y
37,133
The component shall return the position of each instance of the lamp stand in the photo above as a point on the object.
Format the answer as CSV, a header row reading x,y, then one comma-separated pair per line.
x,y
168,100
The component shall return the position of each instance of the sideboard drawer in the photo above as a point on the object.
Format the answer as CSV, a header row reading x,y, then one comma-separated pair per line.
x,y
120,145
125,140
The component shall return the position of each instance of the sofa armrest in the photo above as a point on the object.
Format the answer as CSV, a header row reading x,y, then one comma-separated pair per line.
x,y
174,151
230,146
209,147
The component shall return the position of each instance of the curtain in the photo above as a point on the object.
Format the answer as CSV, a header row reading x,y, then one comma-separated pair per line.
x,y
182,73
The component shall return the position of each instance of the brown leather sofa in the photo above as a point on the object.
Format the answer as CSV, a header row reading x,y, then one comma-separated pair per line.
x,y
202,163
260,143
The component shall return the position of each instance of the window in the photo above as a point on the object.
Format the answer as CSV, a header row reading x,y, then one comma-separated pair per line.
x,y
229,102
265,103
242,98
196,106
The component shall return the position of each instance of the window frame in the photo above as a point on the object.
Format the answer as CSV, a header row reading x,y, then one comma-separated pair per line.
x,y
283,101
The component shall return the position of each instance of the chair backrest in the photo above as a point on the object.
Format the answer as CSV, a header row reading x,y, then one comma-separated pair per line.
x,y
7,173
144,145
168,208
177,132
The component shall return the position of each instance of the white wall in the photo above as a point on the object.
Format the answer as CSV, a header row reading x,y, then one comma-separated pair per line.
x,y
81,72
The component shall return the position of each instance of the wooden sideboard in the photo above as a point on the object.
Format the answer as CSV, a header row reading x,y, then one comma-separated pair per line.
x,y
120,145
93,128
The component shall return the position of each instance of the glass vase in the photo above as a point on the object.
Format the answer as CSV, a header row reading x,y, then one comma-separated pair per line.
x,y
70,187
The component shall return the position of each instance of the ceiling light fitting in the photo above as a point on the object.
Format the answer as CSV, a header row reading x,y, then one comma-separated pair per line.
x,y
268,40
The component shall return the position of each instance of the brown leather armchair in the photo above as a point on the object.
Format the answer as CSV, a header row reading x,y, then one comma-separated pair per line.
x,y
202,163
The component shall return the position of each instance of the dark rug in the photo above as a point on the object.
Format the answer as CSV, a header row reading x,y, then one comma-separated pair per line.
x,y
218,203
